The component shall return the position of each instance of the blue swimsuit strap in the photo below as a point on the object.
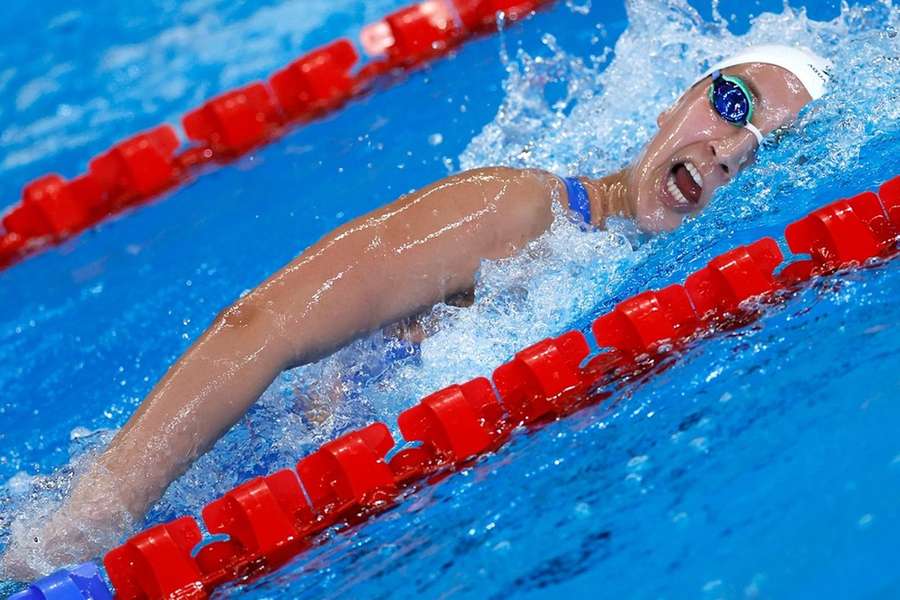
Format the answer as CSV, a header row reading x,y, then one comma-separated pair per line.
x,y
579,201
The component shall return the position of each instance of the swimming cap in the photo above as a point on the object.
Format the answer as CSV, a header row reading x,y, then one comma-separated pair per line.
x,y
812,70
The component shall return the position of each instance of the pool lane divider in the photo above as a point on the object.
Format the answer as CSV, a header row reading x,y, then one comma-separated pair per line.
x,y
269,520
83,582
53,209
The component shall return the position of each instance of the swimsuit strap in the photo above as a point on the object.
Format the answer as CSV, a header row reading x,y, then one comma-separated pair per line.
x,y
579,201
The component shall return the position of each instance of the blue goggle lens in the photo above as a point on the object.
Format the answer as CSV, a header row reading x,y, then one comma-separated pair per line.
x,y
730,100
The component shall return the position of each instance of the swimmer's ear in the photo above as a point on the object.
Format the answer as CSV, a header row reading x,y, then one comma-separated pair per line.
x,y
664,115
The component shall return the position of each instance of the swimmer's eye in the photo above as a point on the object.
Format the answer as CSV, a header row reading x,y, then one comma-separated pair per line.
x,y
774,139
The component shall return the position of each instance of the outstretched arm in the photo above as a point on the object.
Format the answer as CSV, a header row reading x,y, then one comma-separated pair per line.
x,y
373,271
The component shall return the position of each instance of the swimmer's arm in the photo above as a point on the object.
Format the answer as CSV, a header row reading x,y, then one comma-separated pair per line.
x,y
371,272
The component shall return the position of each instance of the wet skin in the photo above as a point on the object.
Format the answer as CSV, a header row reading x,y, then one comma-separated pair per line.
x,y
375,271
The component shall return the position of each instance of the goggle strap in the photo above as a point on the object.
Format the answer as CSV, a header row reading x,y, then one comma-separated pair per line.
x,y
755,131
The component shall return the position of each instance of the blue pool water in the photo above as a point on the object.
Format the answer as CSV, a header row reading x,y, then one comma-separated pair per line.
x,y
761,464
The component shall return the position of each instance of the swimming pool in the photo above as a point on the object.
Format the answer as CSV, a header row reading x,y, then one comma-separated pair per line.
x,y
759,464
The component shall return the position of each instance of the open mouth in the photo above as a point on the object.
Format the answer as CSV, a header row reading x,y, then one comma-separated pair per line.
x,y
685,186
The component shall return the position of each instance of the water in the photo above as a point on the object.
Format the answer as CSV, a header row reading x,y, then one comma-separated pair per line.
x,y
760,464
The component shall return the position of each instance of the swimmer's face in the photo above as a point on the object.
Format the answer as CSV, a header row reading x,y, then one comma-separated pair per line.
x,y
696,151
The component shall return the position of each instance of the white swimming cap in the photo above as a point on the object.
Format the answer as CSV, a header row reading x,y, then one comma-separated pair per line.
x,y
812,70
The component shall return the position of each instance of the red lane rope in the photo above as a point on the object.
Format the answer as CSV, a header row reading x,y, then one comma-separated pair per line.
x,y
269,519
138,169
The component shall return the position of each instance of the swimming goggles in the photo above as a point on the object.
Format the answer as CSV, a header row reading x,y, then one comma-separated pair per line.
x,y
731,99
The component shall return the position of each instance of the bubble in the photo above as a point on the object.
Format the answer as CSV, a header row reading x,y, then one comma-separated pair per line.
x,y
581,7
582,510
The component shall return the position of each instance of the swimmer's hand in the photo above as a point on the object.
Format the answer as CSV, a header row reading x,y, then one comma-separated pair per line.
x,y
90,522
37,550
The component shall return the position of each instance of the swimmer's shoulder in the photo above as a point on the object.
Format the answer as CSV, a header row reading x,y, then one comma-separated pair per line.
x,y
523,202
482,213
532,182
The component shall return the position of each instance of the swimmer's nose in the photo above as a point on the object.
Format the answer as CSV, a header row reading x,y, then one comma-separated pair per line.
x,y
734,151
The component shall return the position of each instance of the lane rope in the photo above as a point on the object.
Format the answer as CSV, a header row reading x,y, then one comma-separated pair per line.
x,y
134,171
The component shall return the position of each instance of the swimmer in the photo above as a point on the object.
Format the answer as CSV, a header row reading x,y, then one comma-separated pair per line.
x,y
395,262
